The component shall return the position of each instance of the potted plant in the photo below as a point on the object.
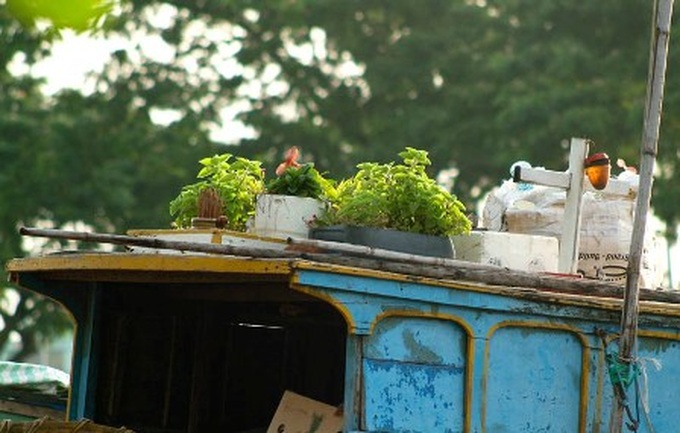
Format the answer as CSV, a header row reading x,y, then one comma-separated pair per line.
x,y
292,200
225,195
395,206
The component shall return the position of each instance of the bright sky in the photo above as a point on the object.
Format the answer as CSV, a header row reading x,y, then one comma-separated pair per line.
x,y
73,58
76,56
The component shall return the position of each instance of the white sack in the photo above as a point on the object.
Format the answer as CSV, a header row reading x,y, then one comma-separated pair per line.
x,y
606,227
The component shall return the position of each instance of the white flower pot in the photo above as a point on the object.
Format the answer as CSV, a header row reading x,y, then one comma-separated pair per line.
x,y
284,216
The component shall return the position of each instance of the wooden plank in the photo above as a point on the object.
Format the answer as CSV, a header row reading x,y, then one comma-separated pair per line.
x,y
562,180
210,248
571,224
514,281
149,262
32,411
537,176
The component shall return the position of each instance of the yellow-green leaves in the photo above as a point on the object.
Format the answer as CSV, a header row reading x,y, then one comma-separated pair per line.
x,y
303,181
237,181
399,196
78,15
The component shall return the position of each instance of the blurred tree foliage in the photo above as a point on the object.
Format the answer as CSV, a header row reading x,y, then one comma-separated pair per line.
x,y
98,159
479,84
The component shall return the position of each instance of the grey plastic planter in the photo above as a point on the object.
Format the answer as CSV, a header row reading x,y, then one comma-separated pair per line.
x,y
405,242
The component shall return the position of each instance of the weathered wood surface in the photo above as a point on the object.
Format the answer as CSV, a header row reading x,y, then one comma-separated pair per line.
x,y
451,269
488,274
382,260
30,410
162,244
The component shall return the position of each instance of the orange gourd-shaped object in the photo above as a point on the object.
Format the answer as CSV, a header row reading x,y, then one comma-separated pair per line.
x,y
598,169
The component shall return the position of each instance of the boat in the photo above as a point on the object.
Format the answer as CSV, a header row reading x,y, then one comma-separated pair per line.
x,y
179,336
206,336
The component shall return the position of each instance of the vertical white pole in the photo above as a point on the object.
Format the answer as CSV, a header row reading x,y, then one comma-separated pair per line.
x,y
571,225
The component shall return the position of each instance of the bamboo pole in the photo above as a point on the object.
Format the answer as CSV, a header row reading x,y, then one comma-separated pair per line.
x,y
663,11
197,247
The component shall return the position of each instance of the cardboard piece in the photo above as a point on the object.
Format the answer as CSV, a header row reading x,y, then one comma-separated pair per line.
x,y
299,414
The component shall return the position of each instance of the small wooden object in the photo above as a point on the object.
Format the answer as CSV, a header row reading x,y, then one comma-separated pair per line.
x,y
209,204
209,211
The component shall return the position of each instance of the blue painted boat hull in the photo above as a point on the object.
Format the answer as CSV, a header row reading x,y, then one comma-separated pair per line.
x,y
401,353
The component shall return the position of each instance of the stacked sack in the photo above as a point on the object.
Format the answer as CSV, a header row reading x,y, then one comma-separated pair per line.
x,y
606,226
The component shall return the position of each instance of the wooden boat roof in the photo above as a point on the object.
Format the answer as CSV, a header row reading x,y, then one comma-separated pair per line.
x,y
162,267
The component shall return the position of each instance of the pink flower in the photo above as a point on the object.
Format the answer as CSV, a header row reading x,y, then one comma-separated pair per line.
x,y
290,160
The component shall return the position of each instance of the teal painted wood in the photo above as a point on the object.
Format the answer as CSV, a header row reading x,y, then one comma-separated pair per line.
x,y
408,374
426,358
85,357
352,400
534,380
83,305
439,359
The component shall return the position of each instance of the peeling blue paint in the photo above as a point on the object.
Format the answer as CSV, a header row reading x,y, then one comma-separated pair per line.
x,y
404,397
492,362
418,350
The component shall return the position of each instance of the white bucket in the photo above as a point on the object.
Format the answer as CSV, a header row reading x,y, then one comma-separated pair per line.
x,y
284,216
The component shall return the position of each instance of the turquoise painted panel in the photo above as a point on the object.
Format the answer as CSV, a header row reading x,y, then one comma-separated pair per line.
x,y
367,297
600,392
414,370
662,385
417,339
533,381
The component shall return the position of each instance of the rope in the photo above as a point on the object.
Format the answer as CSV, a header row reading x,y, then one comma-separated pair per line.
x,y
43,424
620,371
643,391
80,425
35,425
623,373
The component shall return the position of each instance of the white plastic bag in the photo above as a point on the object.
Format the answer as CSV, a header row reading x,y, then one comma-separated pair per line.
x,y
606,227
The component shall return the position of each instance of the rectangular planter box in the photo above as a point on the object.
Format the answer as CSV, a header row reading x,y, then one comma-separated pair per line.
x,y
405,242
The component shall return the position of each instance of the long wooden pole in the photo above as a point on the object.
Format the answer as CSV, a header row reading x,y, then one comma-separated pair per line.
x,y
655,88
373,258
162,244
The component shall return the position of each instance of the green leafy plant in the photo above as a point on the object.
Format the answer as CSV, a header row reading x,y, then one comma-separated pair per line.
x,y
302,181
237,181
400,197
